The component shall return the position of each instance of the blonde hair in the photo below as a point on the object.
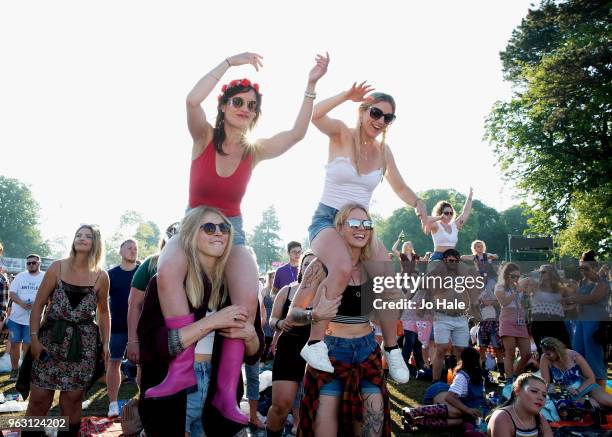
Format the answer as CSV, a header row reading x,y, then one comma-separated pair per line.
x,y
553,276
343,215
357,138
554,345
504,272
194,284
95,255
473,246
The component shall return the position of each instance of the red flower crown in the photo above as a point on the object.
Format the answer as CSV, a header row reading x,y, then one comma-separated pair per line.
x,y
238,82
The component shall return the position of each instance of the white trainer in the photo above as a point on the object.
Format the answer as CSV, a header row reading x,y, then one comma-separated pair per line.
x,y
398,370
317,356
113,409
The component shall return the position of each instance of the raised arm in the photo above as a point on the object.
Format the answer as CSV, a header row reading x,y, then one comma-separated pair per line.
x,y
500,294
394,248
269,148
467,209
402,190
199,128
332,127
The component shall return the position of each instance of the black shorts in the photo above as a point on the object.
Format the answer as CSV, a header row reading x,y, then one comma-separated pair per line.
x,y
288,363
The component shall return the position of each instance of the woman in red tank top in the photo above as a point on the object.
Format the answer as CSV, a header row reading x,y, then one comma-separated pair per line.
x,y
221,166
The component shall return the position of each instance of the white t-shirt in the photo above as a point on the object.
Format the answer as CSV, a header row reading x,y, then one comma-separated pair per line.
x,y
25,285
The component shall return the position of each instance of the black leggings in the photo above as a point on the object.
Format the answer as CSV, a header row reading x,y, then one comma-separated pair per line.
x,y
549,326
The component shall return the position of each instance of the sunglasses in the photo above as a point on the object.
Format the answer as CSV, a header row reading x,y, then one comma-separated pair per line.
x,y
453,260
376,113
514,276
447,213
238,102
32,263
211,228
356,224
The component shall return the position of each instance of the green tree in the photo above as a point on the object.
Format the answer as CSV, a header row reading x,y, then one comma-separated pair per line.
x,y
265,240
485,223
552,138
19,231
132,224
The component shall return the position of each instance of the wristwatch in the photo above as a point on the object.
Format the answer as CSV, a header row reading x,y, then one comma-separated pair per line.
x,y
309,317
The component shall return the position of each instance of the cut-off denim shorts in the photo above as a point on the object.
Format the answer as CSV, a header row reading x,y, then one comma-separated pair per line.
x,y
323,218
350,351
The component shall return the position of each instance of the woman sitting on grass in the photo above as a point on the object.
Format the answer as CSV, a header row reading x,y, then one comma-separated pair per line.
x,y
449,405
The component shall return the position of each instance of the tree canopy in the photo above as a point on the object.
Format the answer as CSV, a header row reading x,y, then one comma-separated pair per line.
x,y
552,138
19,231
265,240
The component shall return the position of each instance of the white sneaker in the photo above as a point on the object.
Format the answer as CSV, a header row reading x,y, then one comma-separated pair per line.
x,y
398,370
113,409
317,356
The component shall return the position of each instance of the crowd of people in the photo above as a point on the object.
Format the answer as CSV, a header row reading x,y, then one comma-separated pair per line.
x,y
193,315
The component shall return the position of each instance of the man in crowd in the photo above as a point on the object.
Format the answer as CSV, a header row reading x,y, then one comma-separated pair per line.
x,y
22,292
286,274
119,292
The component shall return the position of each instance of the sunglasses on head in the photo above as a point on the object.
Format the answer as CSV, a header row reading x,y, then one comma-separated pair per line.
x,y
447,213
238,102
211,228
356,224
376,113
32,263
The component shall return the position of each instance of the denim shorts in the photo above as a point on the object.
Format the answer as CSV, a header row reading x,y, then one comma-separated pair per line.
x,y
350,351
323,218
251,372
118,342
18,333
239,237
436,256
195,400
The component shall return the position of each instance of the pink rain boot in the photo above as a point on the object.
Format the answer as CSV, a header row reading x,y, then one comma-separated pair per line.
x,y
228,376
180,371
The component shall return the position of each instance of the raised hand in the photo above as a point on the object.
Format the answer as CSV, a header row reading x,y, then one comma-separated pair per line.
x,y
319,70
246,58
471,192
357,93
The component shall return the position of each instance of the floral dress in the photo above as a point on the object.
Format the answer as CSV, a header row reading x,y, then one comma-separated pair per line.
x,y
70,335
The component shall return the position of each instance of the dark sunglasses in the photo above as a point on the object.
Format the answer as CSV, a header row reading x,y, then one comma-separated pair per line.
x,y
356,224
376,113
453,260
447,213
238,102
211,228
515,276
32,263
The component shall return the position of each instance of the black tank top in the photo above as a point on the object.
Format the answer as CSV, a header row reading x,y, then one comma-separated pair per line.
x,y
350,309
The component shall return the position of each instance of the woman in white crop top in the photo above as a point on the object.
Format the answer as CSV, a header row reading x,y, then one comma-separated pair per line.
x,y
357,162
446,233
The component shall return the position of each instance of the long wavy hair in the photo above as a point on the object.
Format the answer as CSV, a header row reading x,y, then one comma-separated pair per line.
x,y
219,129
194,282
553,277
504,273
95,256
343,215
357,137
